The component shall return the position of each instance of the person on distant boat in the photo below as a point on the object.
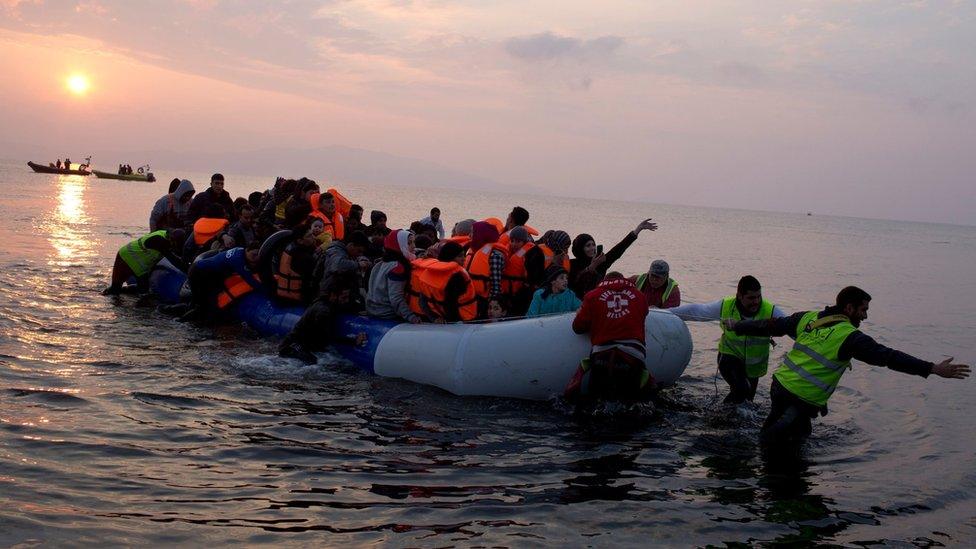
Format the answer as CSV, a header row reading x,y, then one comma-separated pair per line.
x,y
58,165
292,267
434,220
243,230
209,233
825,344
172,211
121,169
138,257
440,290
67,163
213,195
742,360
173,185
590,264
386,297
660,290
613,314
553,297
316,328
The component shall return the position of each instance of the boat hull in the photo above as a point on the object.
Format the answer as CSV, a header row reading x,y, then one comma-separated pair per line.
x,y
40,168
148,177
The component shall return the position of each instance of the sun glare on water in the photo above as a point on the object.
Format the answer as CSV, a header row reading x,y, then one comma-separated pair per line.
x,y
78,84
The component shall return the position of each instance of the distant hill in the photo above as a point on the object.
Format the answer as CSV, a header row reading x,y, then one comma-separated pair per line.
x,y
331,163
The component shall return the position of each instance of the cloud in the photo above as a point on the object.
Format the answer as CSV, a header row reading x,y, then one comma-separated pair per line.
x,y
548,46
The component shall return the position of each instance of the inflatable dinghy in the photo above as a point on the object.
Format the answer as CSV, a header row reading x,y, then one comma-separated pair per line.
x,y
530,358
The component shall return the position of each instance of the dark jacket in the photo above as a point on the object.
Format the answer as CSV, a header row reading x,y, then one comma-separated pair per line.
x,y
169,212
581,283
203,200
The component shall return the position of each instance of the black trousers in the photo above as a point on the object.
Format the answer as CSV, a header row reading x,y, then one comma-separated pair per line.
x,y
741,386
789,420
314,327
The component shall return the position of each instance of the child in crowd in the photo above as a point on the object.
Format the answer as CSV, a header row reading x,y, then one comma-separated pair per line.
x,y
497,308
552,297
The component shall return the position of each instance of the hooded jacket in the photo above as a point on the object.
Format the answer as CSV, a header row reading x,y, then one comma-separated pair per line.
x,y
389,278
169,212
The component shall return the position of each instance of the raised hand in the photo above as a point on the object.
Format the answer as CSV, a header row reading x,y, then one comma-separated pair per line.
x,y
647,224
949,370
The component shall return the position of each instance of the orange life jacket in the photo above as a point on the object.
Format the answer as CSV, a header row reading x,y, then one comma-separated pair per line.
x,y
335,226
463,240
343,204
479,268
288,282
505,239
515,276
207,228
234,287
428,283
549,255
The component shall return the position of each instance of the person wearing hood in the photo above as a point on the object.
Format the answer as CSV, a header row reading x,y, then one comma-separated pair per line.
x,y
485,263
213,195
388,279
172,211
589,264
553,298
344,256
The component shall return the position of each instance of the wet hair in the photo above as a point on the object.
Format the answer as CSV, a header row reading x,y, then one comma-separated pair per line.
x,y
215,211
217,177
852,295
520,216
357,238
748,283
174,184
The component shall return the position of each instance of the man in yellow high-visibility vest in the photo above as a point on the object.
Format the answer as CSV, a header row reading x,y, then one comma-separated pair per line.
x,y
826,342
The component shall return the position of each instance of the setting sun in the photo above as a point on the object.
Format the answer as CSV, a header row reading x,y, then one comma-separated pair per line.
x,y
78,84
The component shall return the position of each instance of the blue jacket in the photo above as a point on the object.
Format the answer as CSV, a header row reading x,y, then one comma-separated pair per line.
x,y
232,261
563,302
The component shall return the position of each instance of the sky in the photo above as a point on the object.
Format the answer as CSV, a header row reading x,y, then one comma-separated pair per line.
x,y
846,107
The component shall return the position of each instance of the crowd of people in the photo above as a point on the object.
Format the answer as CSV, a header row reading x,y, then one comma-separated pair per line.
x,y
302,245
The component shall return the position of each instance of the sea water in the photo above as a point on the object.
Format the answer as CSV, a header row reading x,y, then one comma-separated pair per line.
x,y
119,425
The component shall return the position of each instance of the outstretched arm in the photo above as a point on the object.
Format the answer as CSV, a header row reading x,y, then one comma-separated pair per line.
x,y
699,311
860,346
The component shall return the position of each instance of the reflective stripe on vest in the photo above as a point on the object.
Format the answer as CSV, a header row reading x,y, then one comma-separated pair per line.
x,y
426,293
207,228
138,257
288,282
515,276
642,281
234,287
812,369
753,351
479,268
548,254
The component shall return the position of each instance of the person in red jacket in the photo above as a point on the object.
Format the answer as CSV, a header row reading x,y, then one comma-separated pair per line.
x,y
613,314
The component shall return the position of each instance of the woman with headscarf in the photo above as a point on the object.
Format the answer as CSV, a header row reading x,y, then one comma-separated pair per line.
x,y
388,280
589,266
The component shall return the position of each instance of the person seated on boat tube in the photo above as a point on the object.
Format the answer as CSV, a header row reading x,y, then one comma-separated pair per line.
x,y
461,233
386,297
138,257
826,342
292,264
590,264
434,220
172,211
613,314
440,289
219,278
660,290
485,263
354,221
272,211
216,195
300,206
553,297
208,233
316,328
323,206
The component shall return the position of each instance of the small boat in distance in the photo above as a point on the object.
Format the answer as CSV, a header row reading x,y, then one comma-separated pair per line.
x,y
142,174
83,169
